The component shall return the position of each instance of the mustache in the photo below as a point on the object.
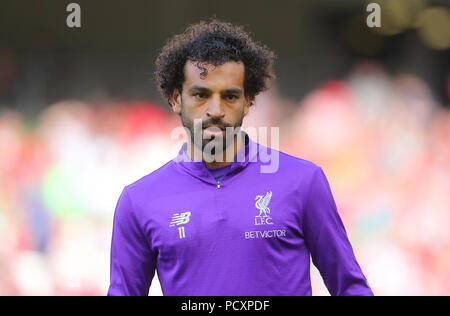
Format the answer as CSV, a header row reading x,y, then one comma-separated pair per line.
x,y
217,122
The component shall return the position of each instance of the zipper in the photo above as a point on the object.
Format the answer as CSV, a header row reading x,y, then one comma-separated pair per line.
x,y
218,184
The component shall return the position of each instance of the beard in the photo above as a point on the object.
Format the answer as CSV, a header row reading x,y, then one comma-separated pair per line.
x,y
216,144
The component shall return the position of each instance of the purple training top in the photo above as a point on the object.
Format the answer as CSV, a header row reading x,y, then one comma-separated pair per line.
x,y
251,234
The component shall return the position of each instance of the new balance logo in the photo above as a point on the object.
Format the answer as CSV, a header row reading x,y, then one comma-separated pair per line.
x,y
180,219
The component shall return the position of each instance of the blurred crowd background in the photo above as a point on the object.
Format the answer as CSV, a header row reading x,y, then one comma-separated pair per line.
x,y
80,118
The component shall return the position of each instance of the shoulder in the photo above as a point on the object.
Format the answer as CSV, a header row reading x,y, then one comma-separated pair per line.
x,y
150,183
302,172
297,162
298,174
288,164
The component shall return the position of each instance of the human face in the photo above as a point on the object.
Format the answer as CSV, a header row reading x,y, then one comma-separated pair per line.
x,y
217,101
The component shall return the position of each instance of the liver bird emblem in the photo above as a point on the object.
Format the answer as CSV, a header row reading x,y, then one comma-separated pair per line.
x,y
262,203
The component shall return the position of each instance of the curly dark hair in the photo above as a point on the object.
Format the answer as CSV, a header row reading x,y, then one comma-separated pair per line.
x,y
214,42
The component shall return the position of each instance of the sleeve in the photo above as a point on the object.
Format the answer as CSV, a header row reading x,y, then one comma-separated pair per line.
x,y
327,241
132,263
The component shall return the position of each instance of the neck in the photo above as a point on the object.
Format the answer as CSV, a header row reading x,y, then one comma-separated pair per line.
x,y
227,154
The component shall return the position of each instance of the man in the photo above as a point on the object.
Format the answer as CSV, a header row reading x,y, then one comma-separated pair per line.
x,y
210,221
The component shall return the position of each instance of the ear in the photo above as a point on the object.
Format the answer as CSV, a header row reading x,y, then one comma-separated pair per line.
x,y
175,101
247,105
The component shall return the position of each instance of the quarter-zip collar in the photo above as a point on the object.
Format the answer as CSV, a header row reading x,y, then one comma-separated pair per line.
x,y
199,170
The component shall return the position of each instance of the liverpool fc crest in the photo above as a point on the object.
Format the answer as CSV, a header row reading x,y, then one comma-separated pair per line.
x,y
262,204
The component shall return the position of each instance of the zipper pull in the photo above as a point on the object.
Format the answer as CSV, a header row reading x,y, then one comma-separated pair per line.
x,y
218,184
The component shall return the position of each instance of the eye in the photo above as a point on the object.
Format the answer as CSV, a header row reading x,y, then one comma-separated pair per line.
x,y
200,95
231,97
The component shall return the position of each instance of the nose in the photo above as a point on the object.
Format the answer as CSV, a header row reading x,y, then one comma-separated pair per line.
x,y
215,107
